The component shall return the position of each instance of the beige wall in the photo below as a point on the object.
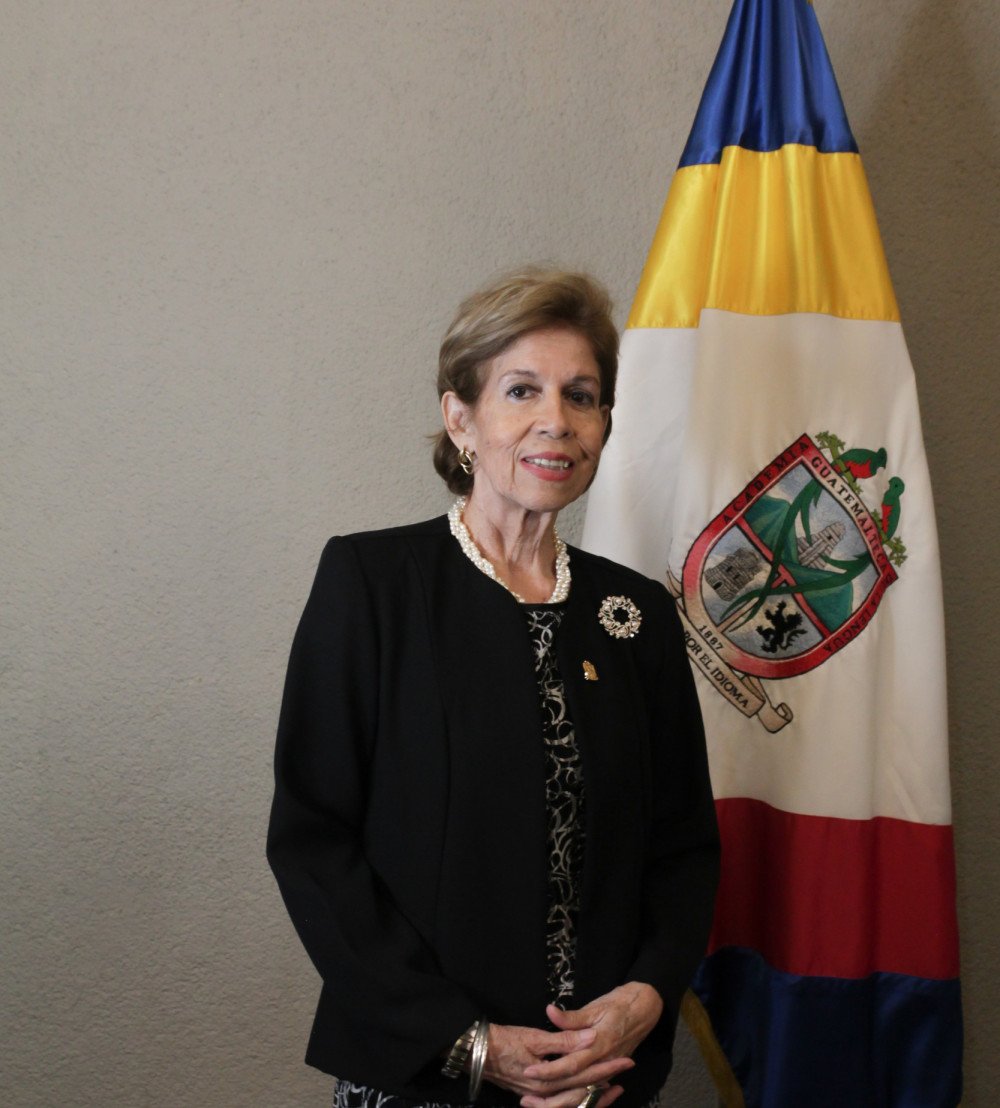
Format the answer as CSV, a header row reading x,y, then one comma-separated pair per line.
x,y
232,233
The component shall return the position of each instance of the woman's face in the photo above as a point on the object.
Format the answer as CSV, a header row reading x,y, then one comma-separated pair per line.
x,y
538,426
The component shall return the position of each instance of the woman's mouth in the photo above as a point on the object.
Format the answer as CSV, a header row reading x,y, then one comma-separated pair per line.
x,y
550,467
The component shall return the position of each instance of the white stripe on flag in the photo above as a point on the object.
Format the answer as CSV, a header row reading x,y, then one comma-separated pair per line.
x,y
702,413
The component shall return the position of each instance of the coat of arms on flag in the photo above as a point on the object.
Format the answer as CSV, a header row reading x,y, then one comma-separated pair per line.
x,y
789,572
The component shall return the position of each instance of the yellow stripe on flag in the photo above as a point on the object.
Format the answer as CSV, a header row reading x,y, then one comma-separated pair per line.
x,y
789,230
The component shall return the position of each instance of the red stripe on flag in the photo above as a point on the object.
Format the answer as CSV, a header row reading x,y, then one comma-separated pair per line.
x,y
829,897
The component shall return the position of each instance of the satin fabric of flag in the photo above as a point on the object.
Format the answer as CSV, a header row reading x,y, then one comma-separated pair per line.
x,y
765,332
789,230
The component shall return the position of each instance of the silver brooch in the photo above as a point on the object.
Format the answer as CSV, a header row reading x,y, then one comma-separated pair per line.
x,y
619,617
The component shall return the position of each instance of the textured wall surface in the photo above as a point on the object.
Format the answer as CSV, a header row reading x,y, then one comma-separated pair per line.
x,y
232,233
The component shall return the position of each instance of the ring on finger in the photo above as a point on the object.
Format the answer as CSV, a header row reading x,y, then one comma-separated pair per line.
x,y
594,1094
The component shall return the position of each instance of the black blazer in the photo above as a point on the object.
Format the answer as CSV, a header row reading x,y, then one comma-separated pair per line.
x,y
408,831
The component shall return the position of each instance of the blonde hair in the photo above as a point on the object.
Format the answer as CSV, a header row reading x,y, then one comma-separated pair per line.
x,y
497,316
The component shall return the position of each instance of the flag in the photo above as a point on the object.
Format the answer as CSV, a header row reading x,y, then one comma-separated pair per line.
x,y
767,464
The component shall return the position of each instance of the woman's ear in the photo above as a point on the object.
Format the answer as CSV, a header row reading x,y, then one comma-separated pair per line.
x,y
457,420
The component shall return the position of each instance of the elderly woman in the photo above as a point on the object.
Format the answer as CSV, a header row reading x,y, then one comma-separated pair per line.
x,y
492,822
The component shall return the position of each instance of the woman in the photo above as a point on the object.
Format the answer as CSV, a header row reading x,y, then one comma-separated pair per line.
x,y
492,822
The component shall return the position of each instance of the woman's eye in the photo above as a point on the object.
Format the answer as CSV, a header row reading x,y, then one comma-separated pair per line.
x,y
518,392
581,397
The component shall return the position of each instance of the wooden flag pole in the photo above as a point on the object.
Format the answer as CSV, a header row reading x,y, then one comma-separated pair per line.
x,y
698,1023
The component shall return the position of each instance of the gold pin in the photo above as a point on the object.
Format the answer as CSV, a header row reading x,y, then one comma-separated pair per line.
x,y
589,671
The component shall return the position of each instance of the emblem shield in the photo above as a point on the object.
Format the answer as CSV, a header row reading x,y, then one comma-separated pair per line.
x,y
790,571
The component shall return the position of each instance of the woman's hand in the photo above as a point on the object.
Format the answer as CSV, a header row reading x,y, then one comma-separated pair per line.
x,y
619,1020
514,1051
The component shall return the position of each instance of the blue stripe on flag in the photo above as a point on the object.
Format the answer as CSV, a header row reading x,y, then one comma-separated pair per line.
x,y
829,1042
772,84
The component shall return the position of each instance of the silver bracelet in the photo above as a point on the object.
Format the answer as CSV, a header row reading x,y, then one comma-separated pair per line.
x,y
480,1044
454,1063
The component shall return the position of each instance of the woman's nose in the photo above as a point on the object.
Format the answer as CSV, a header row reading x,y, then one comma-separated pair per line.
x,y
555,418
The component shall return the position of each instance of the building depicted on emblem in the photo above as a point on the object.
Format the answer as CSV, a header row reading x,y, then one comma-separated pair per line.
x,y
813,553
734,572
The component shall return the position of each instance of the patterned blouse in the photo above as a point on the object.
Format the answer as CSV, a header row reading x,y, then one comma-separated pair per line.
x,y
564,799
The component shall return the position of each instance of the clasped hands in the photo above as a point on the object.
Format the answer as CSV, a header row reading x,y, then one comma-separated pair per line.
x,y
593,1045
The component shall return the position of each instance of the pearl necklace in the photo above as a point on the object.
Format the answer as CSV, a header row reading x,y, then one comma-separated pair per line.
x,y
472,552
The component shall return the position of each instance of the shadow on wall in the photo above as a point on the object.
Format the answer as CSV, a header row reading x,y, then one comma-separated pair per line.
x,y
931,150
